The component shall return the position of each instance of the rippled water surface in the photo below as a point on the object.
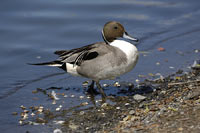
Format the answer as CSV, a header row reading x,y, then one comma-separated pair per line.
x,y
31,30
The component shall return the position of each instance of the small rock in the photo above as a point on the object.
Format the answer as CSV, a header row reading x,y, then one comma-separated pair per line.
x,y
32,114
20,122
127,118
104,105
24,116
81,97
132,112
73,126
151,74
196,64
137,80
139,97
117,107
59,122
26,111
82,113
157,63
85,103
14,113
58,109
23,107
34,91
33,123
196,51
161,49
116,84
126,104
85,83
40,109
54,102
57,131
163,92
38,57
105,85
40,120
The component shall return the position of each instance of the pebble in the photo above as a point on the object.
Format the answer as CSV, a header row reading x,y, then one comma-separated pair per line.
x,y
132,112
85,83
116,84
33,123
59,122
40,120
38,57
196,50
141,76
126,118
20,122
81,97
54,102
144,55
26,111
104,105
24,116
117,107
126,104
105,85
57,131
40,109
163,92
196,64
23,107
85,103
32,114
14,113
137,80
82,113
157,63
58,109
73,126
161,49
139,97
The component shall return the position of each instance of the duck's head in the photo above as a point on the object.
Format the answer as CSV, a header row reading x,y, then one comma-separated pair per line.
x,y
113,30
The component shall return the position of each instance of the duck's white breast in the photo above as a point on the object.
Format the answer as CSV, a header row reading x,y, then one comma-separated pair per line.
x,y
130,50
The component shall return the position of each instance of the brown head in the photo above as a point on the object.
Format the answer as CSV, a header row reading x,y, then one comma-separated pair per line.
x,y
113,30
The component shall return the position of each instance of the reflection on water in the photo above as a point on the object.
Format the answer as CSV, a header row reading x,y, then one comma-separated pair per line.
x,y
30,31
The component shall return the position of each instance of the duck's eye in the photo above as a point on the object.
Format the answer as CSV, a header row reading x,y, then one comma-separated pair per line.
x,y
115,27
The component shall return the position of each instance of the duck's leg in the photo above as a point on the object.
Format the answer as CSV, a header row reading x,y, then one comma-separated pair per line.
x,y
101,90
91,89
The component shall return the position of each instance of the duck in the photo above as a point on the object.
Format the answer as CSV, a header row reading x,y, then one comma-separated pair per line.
x,y
101,60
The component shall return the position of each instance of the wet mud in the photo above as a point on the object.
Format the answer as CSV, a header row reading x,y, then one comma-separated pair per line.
x,y
160,104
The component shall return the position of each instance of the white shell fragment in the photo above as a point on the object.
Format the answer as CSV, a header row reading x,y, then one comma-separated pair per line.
x,y
54,96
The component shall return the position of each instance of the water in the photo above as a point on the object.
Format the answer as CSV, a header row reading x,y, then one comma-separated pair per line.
x,y
30,31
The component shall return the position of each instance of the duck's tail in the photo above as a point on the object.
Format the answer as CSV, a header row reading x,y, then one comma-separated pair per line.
x,y
51,63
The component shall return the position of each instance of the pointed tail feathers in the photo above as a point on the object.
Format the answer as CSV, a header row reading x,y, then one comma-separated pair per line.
x,y
52,63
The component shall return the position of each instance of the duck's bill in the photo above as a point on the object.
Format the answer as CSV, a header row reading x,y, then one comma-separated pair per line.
x,y
127,36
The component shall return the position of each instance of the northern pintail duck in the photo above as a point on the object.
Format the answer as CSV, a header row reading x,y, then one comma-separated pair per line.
x,y
101,60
